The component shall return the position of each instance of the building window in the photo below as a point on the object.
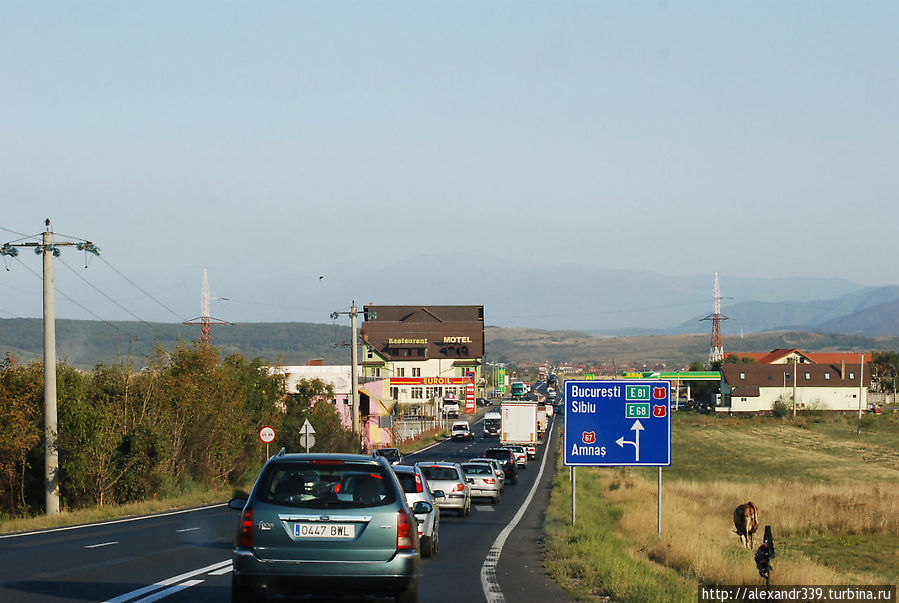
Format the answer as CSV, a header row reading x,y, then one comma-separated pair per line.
x,y
852,375
377,372
416,371
394,393
369,354
827,376
421,351
400,372
416,393
742,375
808,376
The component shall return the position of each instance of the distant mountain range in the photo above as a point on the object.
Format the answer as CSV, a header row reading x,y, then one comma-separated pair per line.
x,y
869,311
515,294
84,344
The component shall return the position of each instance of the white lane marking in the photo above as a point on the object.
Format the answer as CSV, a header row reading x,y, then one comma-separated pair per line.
x,y
169,591
97,546
489,585
168,582
186,530
221,572
112,522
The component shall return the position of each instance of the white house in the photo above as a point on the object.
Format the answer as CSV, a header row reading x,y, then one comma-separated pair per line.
x,y
753,387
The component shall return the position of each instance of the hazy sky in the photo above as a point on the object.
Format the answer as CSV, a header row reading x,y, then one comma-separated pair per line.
x,y
283,140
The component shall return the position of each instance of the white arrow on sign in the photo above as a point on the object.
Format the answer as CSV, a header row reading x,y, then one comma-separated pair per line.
x,y
637,428
307,439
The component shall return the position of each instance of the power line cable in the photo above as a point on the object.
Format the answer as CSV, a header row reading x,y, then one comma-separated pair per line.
x,y
22,235
78,274
136,286
86,309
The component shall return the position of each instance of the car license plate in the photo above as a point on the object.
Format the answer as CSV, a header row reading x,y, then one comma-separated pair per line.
x,y
324,530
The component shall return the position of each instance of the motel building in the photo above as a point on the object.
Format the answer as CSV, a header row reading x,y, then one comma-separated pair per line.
x,y
426,353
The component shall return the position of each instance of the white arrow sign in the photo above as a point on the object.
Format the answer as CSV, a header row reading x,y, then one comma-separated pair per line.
x,y
637,428
306,429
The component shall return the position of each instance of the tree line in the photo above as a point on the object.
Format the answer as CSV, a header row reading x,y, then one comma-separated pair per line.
x,y
189,419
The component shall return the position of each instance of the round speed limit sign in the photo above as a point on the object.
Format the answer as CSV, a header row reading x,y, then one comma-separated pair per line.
x,y
267,434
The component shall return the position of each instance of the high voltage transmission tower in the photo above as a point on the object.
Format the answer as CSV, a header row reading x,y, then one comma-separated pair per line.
x,y
48,249
204,320
716,346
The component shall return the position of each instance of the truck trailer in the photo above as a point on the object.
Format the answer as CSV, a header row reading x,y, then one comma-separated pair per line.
x,y
518,423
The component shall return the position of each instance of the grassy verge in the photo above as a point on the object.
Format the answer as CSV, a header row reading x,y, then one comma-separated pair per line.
x,y
425,439
830,496
187,497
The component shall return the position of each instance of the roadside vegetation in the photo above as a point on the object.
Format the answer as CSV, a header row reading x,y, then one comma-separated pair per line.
x,y
831,497
187,424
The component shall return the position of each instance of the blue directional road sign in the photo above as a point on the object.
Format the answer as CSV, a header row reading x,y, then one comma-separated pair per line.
x,y
618,423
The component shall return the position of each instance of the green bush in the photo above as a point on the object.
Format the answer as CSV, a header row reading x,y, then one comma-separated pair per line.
x,y
780,408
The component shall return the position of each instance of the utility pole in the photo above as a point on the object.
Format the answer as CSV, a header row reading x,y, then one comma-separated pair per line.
x,y
795,379
354,355
49,249
861,381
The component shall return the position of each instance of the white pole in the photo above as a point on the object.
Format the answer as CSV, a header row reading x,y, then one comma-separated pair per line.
x,y
677,393
354,376
860,383
795,379
51,453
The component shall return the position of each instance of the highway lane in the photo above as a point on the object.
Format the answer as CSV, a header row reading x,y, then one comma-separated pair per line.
x,y
102,561
186,557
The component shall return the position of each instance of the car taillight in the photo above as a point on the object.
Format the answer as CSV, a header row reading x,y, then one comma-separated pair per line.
x,y
245,537
459,488
418,486
404,538
489,480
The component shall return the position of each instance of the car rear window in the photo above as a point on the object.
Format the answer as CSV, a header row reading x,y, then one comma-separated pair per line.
x,y
476,469
389,453
332,484
437,473
497,454
407,481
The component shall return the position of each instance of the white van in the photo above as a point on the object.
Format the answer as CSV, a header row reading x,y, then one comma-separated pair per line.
x,y
461,430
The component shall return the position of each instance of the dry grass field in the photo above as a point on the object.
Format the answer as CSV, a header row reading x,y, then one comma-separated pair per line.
x,y
830,495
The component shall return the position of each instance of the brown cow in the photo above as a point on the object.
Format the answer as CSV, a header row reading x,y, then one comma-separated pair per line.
x,y
746,520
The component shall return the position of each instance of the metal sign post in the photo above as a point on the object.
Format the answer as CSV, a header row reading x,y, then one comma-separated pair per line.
x,y
573,483
660,503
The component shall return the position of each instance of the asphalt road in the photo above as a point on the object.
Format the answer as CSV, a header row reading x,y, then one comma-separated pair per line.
x,y
185,556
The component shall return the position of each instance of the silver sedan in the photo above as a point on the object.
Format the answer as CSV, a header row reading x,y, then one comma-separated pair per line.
x,y
482,480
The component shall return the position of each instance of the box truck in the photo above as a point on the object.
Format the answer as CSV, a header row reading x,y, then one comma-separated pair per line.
x,y
518,423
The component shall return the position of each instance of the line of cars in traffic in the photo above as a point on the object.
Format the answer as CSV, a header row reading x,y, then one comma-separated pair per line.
x,y
336,524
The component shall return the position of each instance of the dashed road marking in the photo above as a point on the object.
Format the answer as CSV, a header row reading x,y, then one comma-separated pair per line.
x,y
489,584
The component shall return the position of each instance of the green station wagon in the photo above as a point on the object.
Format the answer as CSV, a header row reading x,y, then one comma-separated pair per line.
x,y
329,524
